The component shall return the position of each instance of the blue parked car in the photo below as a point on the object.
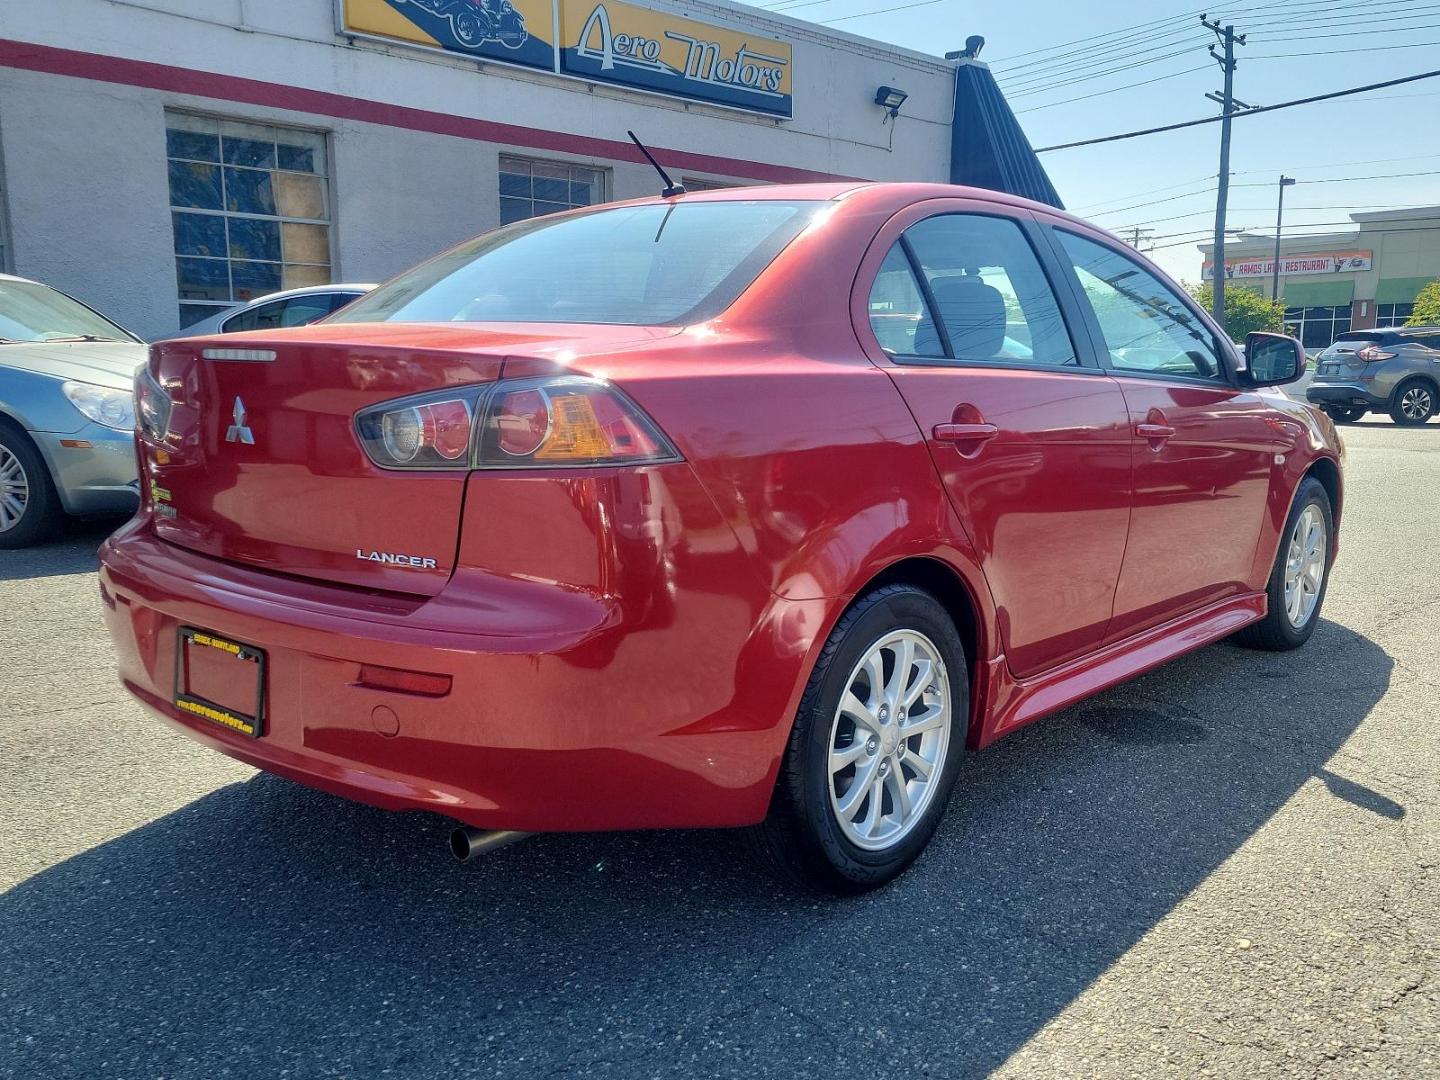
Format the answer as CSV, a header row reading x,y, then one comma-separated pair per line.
x,y
67,415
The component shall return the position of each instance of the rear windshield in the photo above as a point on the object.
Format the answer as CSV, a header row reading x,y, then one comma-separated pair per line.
x,y
637,265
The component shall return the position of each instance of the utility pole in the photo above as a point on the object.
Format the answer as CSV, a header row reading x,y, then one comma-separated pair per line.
x,y
1229,39
1285,181
1137,234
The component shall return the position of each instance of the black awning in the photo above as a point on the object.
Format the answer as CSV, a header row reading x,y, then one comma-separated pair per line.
x,y
988,148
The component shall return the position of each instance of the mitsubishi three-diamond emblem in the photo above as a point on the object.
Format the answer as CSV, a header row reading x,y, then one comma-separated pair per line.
x,y
239,431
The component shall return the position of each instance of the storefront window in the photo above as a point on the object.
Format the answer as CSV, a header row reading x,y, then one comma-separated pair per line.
x,y
531,188
1393,314
249,204
1317,327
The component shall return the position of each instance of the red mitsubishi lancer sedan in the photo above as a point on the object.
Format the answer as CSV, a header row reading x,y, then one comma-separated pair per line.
x,y
742,508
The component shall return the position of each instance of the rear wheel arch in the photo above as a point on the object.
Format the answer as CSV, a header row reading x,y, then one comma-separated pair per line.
x,y
956,595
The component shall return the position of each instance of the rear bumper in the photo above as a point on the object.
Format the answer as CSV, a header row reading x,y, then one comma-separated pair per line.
x,y
100,478
564,714
1344,394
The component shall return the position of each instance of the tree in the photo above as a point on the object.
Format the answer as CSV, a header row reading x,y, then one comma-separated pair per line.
x,y
1245,310
1427,307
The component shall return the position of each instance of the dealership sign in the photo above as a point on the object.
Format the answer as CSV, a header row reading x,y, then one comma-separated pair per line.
x,y
1320,262
598,40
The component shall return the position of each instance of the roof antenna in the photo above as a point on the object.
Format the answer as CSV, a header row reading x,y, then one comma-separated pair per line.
x,y
671,188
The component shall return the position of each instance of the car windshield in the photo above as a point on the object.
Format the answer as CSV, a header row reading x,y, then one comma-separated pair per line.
x,y
30,312
647,265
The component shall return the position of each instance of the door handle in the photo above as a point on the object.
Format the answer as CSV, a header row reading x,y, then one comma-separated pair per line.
x,y
968,439
1155,432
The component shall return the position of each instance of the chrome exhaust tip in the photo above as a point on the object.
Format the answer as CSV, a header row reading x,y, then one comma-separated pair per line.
x,y
467,842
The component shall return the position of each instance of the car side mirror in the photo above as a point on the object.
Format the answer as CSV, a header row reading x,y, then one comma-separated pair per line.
x,y
1272,359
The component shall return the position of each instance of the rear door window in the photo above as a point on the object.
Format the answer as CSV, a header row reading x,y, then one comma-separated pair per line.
x,y
970,288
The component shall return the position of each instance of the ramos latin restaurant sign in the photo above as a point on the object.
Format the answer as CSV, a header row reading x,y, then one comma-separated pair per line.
x,y
599,40
1319,262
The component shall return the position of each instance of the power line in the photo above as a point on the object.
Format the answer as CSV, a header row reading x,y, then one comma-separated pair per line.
x,y
1246,112
879,11
1112,90
1346,52
1045,85
1325,165
1111,41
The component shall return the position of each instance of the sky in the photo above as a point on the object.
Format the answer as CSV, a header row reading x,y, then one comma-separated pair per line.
x,y
1048,55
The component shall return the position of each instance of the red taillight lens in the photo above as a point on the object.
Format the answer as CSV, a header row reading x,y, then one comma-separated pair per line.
x,y
567,421
522,422
538,423
1371,353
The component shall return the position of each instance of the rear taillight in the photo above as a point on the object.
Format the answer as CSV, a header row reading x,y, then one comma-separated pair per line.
x,y
152,406
525,423
1371,353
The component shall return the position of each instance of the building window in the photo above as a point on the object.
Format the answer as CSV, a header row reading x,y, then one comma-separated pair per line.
x,y
1393,314
249,204
531,188
1318,327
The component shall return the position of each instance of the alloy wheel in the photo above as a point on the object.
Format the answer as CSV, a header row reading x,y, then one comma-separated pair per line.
x,y
1305,565
1416,403
14,490
888,740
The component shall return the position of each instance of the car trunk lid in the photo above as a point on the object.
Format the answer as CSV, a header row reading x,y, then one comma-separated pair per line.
x,y
262,466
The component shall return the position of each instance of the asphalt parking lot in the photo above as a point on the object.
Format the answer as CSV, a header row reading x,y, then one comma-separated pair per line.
x,y
1227,868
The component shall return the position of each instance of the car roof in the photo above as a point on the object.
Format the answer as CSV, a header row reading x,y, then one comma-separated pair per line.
x,y
898,193
1389,333
308,290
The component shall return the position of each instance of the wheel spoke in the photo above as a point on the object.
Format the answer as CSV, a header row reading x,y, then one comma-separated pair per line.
x,y
900,674
846,756
859,711
875,805
875,666
899,791
850,802
921,767
926,721
924,672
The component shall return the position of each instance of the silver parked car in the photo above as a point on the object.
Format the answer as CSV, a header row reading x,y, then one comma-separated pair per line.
x,y
1392,369
293,307
67,415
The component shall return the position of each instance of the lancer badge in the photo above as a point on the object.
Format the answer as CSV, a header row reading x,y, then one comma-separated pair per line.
x,y
239,431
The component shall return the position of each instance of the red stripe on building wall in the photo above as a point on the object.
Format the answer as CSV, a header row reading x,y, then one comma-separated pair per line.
x,y
209,84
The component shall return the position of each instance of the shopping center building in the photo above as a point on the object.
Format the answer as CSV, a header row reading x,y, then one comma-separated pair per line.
x,y
164,158
1353,279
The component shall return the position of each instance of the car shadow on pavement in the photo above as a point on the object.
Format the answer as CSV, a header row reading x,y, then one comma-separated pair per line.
x,y
74,550
267,928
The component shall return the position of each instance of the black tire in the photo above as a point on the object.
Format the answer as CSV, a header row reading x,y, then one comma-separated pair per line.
x,y
1414,402
1345,414
1275,632
42,511
800,840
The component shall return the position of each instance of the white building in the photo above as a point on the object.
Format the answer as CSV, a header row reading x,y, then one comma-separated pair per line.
x,y
1333,282
159,158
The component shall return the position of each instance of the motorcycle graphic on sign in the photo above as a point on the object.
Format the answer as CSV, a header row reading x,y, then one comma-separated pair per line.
x,y
476,22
